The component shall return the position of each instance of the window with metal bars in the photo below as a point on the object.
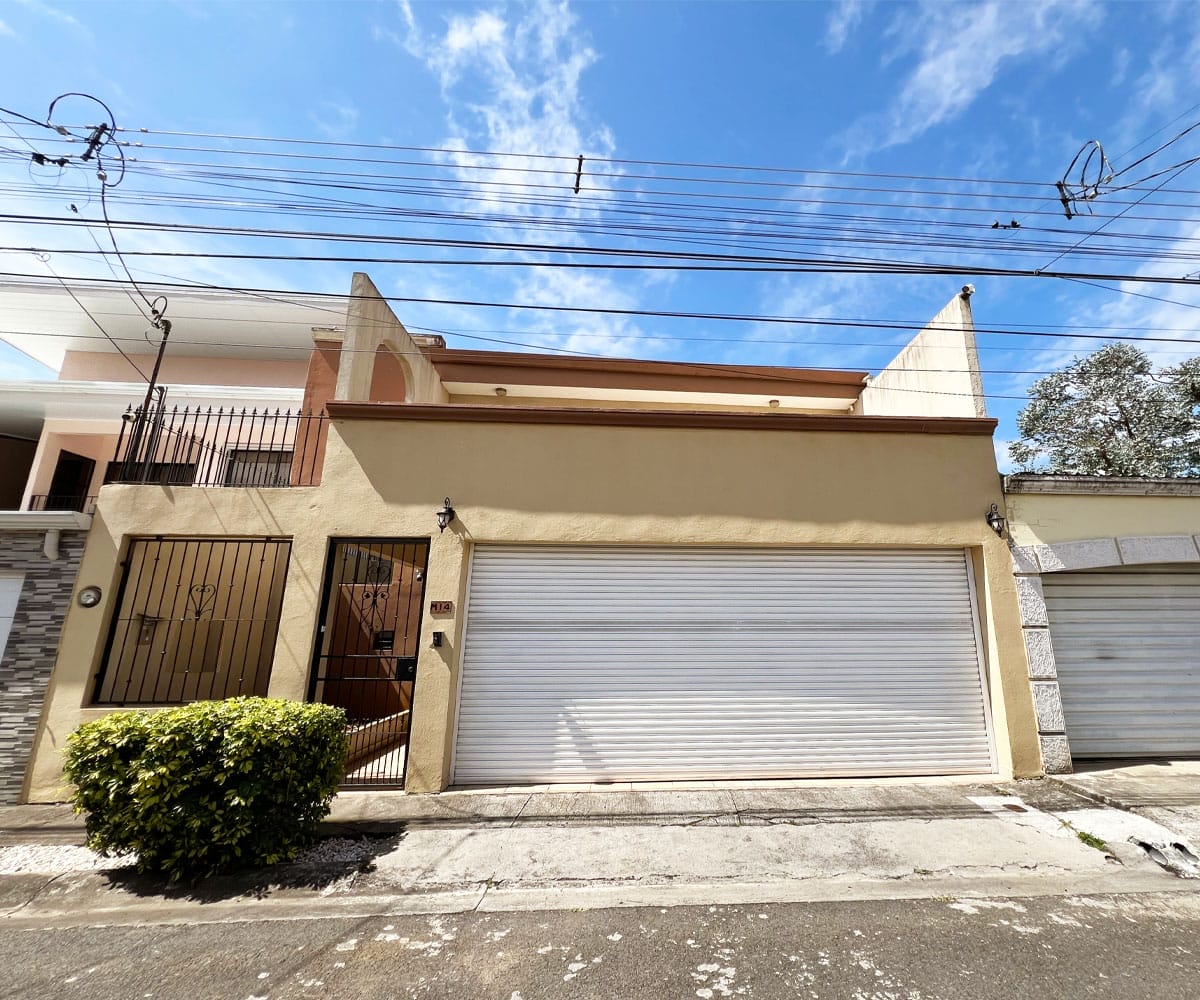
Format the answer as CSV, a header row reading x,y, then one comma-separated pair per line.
x,y
196,618
258,467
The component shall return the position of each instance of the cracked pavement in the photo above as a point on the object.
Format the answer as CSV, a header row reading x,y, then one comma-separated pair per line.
x,y
477,851
894,891
1115,947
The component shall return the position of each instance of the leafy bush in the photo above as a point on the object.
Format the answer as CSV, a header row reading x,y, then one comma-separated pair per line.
x,y
209,787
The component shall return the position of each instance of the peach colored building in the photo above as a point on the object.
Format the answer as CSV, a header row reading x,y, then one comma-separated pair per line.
x,y
520,569
59,437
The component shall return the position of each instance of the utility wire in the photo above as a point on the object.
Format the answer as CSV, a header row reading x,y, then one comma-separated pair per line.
x,y
716,317
1088,236
95,322
307,350
829,264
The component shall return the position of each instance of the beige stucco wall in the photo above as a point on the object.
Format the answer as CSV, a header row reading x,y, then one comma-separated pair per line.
x,y
1044,519
567,484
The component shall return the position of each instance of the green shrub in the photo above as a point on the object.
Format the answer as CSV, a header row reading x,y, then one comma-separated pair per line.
x,y
209,787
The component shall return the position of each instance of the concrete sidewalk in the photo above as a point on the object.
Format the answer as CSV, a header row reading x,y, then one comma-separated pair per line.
x,y
710,803
521,849
1165,791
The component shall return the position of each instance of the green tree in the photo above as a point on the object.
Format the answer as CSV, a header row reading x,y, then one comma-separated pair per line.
x,y
1112,414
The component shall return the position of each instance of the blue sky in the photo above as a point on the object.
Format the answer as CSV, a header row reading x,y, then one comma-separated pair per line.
x,y
991,91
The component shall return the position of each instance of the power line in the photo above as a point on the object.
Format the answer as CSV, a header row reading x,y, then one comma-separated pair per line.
x,y
569,160
95,322
830,264
766,265
601,310
1117,216
902,326
779,376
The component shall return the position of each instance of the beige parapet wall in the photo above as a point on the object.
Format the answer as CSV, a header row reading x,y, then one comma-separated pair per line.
x,y
892,483
937,373
371,325
1051,510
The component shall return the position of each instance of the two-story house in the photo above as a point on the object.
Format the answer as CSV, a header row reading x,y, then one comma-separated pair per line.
x,y
59,438
526,568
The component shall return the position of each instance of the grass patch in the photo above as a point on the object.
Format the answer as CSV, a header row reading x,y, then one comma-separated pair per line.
x,y
1091,840
1087,838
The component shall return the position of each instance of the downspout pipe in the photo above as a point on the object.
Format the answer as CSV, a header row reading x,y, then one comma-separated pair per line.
x,y
50,547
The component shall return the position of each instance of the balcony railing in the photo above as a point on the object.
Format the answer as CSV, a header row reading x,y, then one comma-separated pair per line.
x,y
62,501
219,447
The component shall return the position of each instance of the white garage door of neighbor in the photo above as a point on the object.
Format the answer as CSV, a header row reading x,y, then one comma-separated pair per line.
x,y
10,593
1127,647
603,664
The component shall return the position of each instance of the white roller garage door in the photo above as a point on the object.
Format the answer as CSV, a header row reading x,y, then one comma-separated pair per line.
x,y
1127,648
593,664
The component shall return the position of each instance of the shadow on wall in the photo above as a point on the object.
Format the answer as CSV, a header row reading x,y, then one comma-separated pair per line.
x,y
813,476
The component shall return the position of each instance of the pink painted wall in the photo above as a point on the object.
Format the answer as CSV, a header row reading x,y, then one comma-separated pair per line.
x,y
387,378
100,447
86,366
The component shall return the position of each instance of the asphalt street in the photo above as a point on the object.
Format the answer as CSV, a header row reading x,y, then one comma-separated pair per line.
x,y
1119,946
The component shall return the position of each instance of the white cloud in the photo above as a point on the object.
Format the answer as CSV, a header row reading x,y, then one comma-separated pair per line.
x,y
56,14
960,52
513,85
334,120
843,19
1003,461
583,333
511,81
6,31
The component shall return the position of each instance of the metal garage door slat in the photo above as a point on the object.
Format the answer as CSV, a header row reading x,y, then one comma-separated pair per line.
x,y
1127,649
593,664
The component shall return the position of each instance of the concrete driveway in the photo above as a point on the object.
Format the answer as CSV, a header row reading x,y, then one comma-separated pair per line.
x,y
1165,791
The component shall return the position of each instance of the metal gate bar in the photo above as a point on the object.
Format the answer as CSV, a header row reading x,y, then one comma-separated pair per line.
x,y
367,650
196,618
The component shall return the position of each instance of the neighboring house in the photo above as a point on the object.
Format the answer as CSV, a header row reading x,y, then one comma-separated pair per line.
x,y
59,438
1108,571
648,570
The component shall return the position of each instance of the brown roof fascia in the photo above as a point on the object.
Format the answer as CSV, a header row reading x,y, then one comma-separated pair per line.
x,y
511,368
695,419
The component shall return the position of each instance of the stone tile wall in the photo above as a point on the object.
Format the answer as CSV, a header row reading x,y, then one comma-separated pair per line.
x,y
32,643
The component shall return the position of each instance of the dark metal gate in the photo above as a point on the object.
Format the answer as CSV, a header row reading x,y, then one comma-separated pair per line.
x,y
366,660
195,618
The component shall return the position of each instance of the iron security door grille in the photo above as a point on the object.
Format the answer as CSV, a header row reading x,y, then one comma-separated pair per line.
x,y
196,618
367,650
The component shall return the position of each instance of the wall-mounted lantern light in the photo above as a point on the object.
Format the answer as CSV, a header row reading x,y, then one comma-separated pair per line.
x,y
995,520
446,515
89,597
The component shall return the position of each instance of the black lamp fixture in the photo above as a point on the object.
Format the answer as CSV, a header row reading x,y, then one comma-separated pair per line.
x,y
995,520
446,515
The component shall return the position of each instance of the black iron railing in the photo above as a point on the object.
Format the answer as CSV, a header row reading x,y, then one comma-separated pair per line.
x,y
196,618
219,447
62,501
